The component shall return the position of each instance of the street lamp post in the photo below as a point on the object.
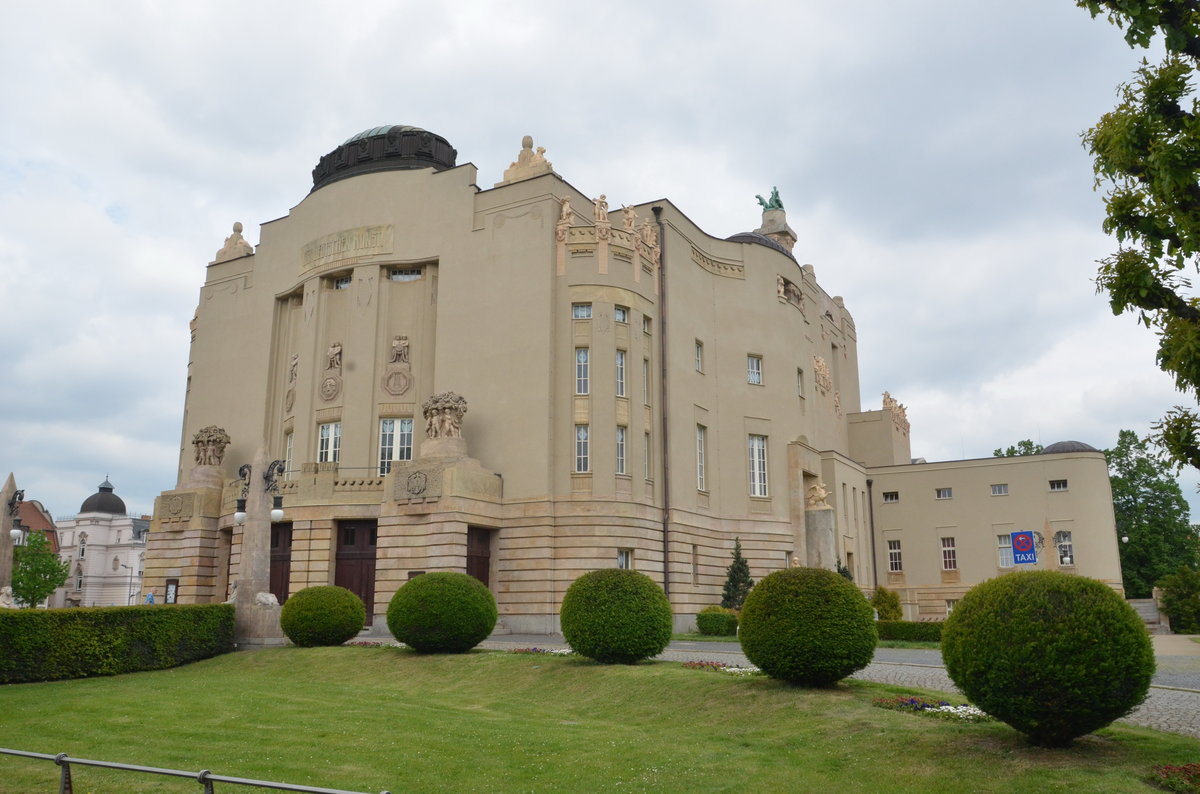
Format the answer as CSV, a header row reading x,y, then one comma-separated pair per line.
x,y
129,598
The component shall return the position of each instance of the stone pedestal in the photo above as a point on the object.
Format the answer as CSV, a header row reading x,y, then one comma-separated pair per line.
x,y
257,621
6,544
820,548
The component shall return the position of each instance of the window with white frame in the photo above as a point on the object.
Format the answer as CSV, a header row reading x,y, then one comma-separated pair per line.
x,y
82,546
891,496
944,493
342,282
1058,485
754,373
621,433
620,373
646,456
701,449
699,356
625,559
582,459
949,555
581,311
951,603
329,442
757,454
289,448
404,274
799,382
1000,489
1004,553
395,442
1066,550
582,376
645,324
895,561
646,381
621,314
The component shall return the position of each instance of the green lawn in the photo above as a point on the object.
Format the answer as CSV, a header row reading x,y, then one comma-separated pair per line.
x,y
375,718
881,644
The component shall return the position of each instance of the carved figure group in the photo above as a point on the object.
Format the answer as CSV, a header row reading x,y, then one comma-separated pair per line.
x,y
821,370
293,367
774,203
444,414
399,354
235,245
601,208
817,495
897,410
334,357
210,443
629,218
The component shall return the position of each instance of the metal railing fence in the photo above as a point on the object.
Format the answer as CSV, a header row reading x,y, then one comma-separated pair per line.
x,y
204,777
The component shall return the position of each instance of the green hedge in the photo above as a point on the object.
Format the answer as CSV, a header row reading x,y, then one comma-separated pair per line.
x,y
909,630
51,644
717,621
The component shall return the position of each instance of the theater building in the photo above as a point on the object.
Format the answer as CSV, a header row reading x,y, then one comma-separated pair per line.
x,y
524,383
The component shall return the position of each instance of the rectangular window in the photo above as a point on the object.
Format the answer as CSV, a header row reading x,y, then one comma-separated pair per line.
x,y
646,381
699,356
289,447
944,493
754,370
620,449
895,561
582,461
645,324
949,556
1000,489
621,314
1062,541
395,442
582,378
620,373
1004,555
342,282
581,311
701,446
646,456
891,496
625,559
404,273
758,464
329,442
951,603
1058,485
799,382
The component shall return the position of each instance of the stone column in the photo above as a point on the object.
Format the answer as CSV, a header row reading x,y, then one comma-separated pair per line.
x,y
6,544
820,524
257,622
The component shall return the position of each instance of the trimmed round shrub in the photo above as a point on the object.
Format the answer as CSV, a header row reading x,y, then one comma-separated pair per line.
x,y
887,604
807,626
1052,654
616,615
717,621
322,616
442,612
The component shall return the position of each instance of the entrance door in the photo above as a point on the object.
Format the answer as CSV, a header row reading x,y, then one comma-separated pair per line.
x,y
355,568
479,553
281,560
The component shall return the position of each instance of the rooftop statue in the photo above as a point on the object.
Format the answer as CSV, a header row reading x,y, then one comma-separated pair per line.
x,y
775,203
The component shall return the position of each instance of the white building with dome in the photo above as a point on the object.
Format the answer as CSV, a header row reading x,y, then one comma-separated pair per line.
x,y
106,548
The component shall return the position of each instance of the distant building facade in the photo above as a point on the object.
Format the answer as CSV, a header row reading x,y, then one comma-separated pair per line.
x,y
518,383
106,549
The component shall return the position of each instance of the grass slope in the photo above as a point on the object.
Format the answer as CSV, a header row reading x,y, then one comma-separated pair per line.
x,y
375,718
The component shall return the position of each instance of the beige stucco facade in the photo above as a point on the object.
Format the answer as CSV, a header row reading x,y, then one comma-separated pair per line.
x,y
714,382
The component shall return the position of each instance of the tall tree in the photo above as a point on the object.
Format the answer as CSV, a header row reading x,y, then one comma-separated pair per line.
x,y
1151,512
1025,447
737,579
1146,153
37,571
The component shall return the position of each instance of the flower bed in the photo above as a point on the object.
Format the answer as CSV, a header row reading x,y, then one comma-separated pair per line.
x,y
964,712
1183,778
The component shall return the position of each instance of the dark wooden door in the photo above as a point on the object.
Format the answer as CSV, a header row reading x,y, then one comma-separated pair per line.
x,y
281,560
355,569
479,553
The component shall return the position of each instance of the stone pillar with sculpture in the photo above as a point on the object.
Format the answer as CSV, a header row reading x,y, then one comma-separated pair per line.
x,y
187,555
10,499
257,621
820,524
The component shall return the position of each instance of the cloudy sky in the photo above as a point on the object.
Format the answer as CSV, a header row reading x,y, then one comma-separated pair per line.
x,y
927,153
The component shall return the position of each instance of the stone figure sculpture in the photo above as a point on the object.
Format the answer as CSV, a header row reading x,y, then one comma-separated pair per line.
x,y
629,217
564,215
235,245
444,414
399,354
210,443
293,367
334,356
601,208
817,495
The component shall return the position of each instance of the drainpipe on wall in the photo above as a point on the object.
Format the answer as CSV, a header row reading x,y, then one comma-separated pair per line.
x,y
663,401
871,519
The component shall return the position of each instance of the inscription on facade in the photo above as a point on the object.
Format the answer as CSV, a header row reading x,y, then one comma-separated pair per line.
x,y
347,244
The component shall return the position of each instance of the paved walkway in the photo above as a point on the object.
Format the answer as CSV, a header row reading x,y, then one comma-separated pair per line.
x,y
1173,704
